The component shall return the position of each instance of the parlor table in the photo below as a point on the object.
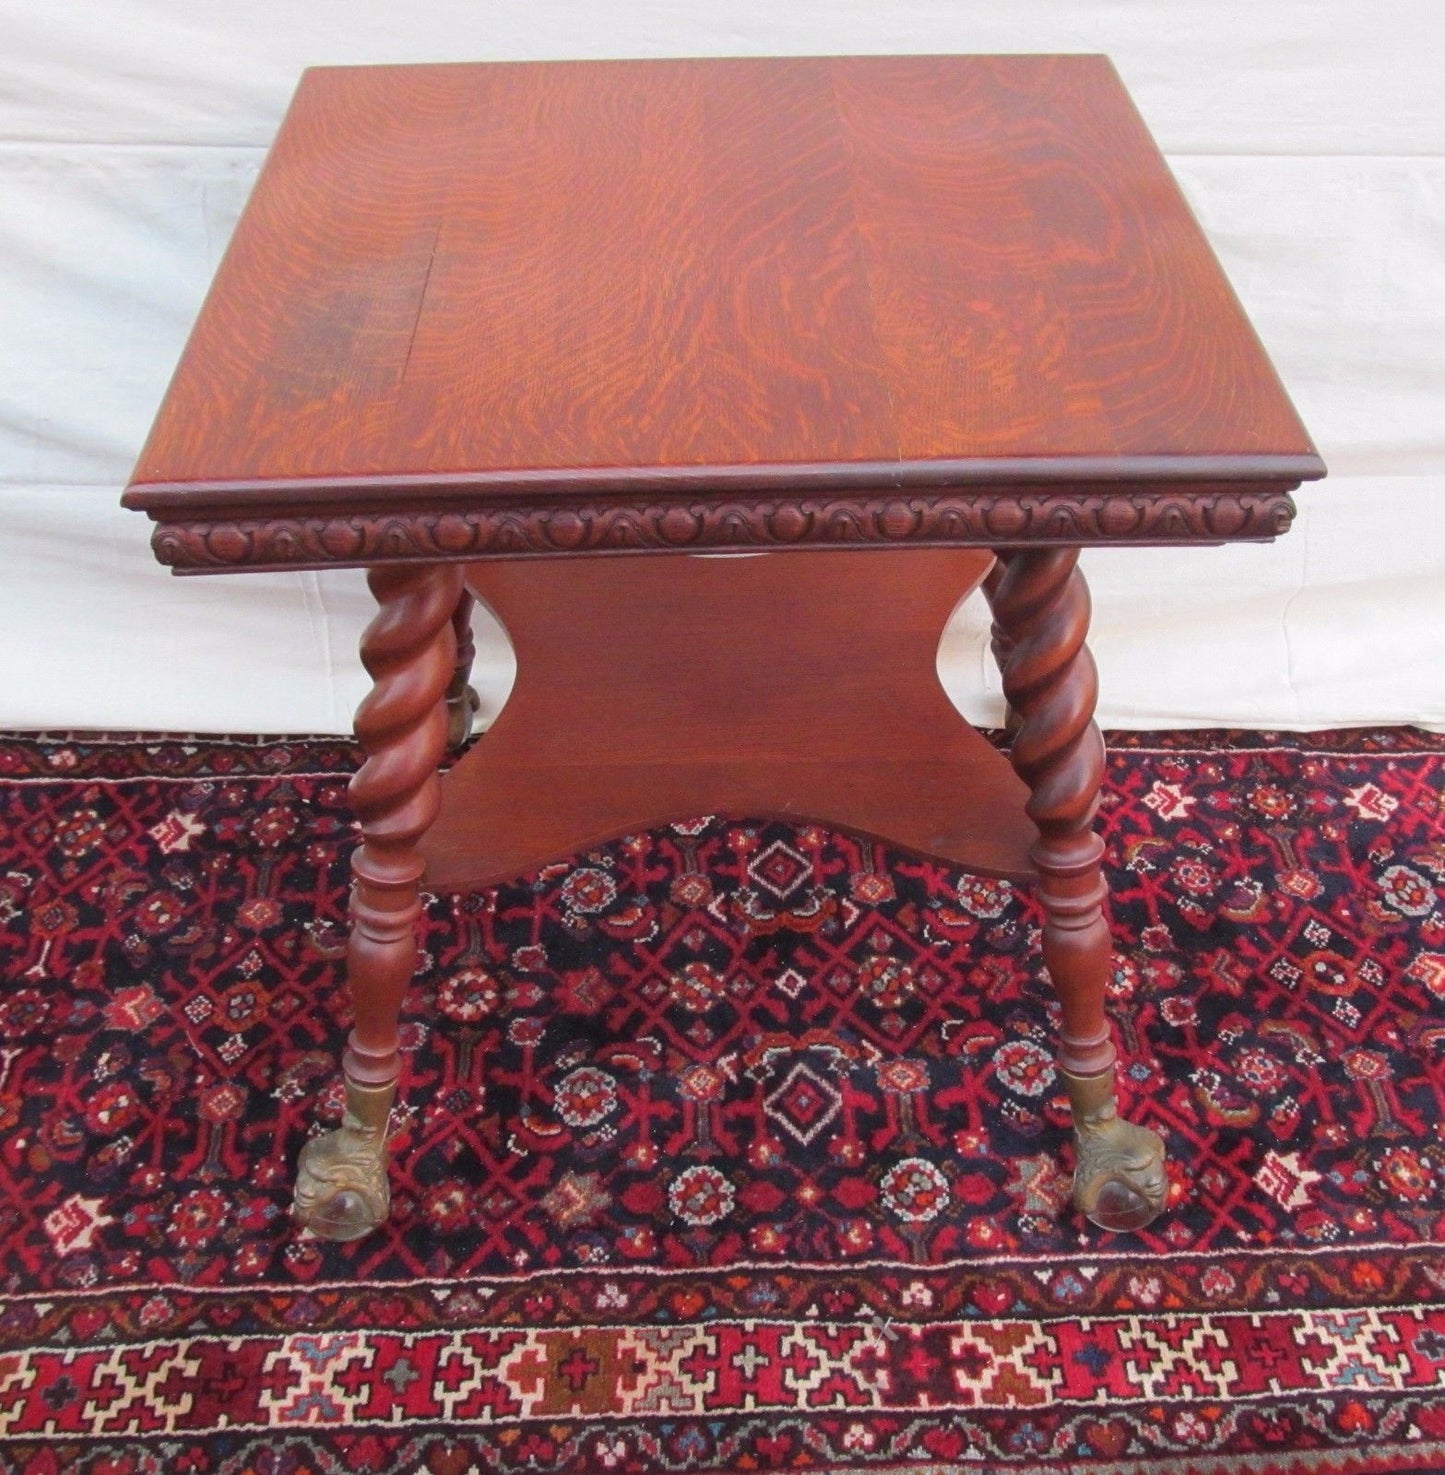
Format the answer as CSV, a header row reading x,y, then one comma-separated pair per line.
x,y
911,325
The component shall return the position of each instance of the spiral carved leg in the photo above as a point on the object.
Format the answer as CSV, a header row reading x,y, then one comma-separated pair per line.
x,y
1041,607
410,651
462,699
999,642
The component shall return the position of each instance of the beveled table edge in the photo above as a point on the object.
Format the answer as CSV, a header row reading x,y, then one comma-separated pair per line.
x,y
979,471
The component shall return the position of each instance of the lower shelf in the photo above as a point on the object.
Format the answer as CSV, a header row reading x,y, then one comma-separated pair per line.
x,y
798,686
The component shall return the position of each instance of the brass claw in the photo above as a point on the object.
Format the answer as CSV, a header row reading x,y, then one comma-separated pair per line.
x,y
1119,1181
462,705
342,1191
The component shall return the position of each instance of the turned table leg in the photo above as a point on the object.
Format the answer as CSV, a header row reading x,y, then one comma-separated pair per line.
x,y
462,700
1041,609
410,651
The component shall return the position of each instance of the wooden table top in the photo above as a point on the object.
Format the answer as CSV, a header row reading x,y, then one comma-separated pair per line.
x,y
480,287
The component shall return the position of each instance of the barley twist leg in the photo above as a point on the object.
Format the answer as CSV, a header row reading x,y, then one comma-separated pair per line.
x,y
1041,606
999,642
462,699
410,651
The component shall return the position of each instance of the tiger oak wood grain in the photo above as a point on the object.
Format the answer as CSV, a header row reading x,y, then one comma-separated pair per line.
x,y
801,688
510,279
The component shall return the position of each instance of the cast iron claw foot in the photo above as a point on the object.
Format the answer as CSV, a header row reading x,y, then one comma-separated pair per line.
x,y
341,1181
1119,1182
461,711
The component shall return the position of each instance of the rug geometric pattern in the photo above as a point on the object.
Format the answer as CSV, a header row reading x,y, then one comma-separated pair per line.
x,y
733,1145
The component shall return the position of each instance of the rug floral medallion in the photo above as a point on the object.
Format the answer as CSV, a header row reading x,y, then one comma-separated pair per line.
x,y
731,1146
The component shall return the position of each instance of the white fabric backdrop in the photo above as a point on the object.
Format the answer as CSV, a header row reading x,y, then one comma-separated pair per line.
x,y
1308,134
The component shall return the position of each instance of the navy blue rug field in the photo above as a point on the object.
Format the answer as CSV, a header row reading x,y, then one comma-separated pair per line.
x,y
728,1146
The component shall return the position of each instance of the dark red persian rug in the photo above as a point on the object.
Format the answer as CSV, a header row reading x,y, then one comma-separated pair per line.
x,y
727,1147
